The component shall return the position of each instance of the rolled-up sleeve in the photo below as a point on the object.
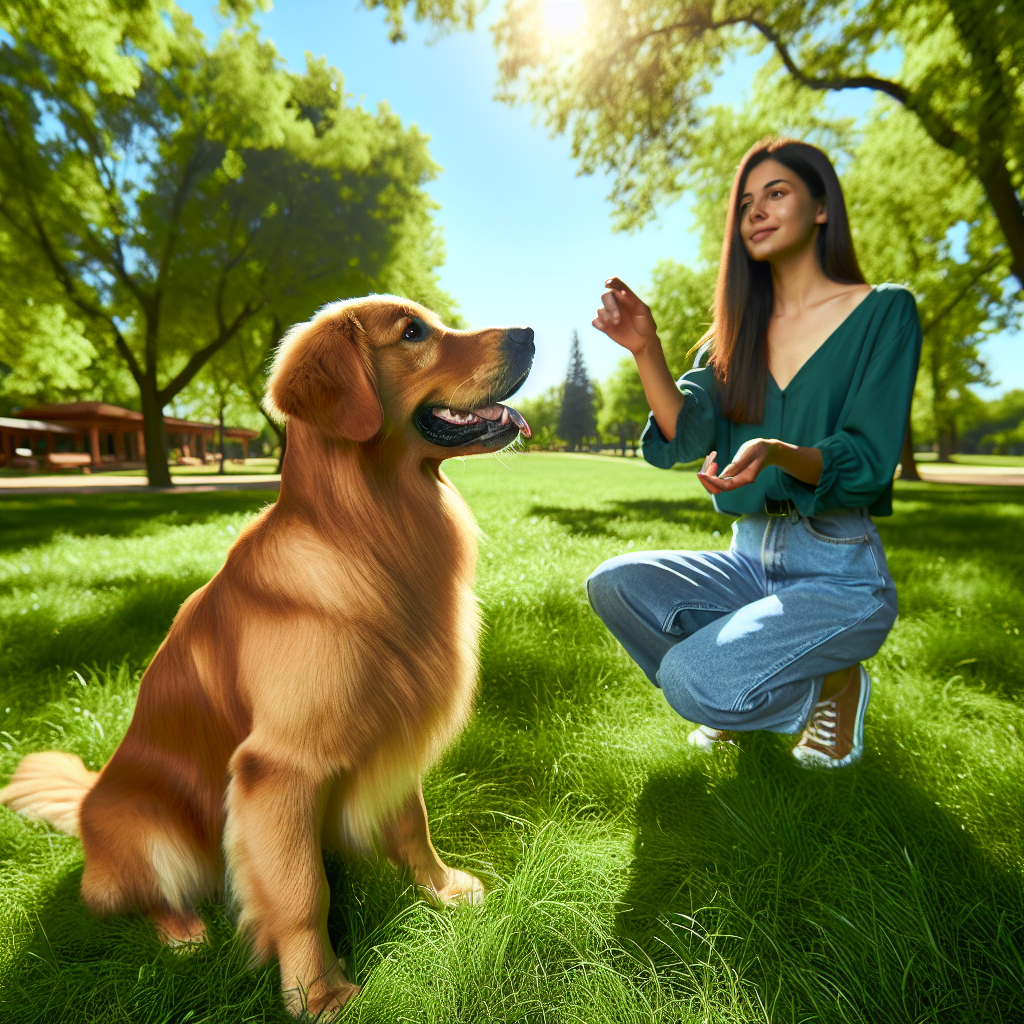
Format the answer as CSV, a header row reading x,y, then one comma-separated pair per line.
x,y
695,430
860,458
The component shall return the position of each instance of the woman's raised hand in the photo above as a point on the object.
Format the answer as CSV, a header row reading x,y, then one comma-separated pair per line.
x,y
625,318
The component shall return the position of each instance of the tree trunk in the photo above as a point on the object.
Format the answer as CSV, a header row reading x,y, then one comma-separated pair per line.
x,y
999,189
156,436
282,436
909,466
221,424
947,444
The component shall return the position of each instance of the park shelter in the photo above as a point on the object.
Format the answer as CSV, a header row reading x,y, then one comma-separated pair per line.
x,y
109,433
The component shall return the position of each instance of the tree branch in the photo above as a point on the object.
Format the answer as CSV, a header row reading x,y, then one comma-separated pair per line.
x,y
952,304
199,359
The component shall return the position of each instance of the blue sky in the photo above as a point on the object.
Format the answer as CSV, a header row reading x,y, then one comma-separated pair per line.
x,y
528,241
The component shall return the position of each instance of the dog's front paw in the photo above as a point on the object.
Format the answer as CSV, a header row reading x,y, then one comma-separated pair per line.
x,y
462,887
325,1006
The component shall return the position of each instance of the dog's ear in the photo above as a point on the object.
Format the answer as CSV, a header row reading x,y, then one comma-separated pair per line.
x,y
323,375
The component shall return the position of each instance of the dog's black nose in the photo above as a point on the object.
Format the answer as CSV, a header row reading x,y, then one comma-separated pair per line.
x,y
520,335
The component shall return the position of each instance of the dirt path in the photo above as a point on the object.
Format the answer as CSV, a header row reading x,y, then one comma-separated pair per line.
x,y
98,483
957,473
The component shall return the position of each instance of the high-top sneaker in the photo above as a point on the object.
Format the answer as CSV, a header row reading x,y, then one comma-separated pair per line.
x,y
834,737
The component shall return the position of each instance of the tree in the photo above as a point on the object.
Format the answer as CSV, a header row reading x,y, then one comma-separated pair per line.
x,y
625,408
919,217
576,421
542,414
630,87
681,300
996,426
173,214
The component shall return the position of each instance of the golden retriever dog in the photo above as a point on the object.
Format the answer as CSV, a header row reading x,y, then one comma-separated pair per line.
x,y
301,693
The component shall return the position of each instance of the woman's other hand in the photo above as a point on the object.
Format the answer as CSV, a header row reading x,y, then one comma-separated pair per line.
x,y
749,460
625,318
803,463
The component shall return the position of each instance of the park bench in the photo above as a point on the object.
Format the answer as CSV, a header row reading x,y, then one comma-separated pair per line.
x,y
69,460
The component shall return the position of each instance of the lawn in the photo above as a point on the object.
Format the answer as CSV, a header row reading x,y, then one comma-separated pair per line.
x,y
631,878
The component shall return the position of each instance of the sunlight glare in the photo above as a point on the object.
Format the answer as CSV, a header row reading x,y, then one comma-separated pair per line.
x,y
563,17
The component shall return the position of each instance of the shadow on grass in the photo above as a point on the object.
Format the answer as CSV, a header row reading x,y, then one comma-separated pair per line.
x,y
692,512
944,519
77,967
855,871
35,519
131,631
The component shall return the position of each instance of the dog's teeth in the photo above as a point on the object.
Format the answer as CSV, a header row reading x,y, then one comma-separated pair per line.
x,y
504,416
458,418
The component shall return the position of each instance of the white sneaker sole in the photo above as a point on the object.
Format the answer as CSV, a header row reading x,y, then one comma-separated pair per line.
x,y
702,741
811,758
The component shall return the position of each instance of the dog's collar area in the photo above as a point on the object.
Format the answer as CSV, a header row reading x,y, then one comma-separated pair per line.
x,y
492,426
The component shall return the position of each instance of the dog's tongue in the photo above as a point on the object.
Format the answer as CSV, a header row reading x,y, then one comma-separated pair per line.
x,y
519,420
504,414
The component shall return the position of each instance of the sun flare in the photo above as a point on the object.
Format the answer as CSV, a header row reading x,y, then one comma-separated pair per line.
x,y
563,17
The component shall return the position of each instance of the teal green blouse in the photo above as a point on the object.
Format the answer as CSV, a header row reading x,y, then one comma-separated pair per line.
x,y
850,399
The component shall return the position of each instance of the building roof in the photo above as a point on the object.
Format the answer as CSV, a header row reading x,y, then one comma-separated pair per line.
x,y
87,415
36,426
81,410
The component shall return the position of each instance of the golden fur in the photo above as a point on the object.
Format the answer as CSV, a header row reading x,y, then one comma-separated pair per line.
x,y
301,693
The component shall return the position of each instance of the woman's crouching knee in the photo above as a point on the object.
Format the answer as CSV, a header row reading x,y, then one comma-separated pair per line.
x,y
686,689
606,588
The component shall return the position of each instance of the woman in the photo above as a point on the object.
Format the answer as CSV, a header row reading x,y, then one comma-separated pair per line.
x,y
804,401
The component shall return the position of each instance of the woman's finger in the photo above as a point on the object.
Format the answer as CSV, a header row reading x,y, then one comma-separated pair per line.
x,y
711,485
610,303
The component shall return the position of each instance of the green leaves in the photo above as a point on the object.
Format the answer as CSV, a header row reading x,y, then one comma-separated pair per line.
x,y
192,197
631,88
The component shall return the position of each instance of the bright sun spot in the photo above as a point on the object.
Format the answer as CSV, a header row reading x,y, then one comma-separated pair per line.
x,y
563,17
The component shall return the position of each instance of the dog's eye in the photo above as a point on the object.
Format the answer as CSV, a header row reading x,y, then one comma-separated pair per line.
x,y
416,331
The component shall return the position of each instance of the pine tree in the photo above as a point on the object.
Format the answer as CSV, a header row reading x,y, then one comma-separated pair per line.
x,y
577,420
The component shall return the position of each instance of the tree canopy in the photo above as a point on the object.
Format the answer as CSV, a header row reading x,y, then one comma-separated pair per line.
x,y
210,197
631,85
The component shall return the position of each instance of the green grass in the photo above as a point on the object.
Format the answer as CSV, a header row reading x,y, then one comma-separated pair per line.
x,y
631,879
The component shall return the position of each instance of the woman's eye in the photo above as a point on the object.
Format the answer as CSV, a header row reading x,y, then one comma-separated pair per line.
x,y
414,332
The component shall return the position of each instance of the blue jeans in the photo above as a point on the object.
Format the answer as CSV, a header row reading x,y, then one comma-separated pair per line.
x,y
742,639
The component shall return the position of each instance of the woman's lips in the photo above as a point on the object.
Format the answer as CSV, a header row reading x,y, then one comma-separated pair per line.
x,y
760,236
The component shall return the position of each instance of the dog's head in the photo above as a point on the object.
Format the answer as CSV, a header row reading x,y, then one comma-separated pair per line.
x,y
385,365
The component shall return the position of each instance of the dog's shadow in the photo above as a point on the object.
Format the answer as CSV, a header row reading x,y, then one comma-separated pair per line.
x,y
98,964
773,865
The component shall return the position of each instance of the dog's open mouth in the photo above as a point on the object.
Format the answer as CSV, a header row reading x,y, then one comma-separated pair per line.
x,y
501,414
492,426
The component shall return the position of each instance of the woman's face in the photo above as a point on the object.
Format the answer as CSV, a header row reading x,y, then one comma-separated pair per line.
x,y
778,215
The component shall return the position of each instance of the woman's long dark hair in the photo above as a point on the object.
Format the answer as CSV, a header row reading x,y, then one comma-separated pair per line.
x,y
744,295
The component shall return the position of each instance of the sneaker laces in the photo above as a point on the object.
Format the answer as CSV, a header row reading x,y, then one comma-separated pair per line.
x,y
822,725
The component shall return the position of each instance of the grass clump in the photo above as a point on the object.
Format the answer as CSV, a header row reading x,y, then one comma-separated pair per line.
x,y
631,878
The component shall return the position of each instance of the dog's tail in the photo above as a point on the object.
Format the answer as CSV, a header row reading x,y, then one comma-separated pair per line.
x,y
51,786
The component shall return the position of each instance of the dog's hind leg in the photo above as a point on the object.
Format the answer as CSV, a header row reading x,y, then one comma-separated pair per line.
x,y
407,842
140,855
276,870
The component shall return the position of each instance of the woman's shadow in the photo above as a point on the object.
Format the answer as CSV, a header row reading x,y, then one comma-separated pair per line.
x,y
821,896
